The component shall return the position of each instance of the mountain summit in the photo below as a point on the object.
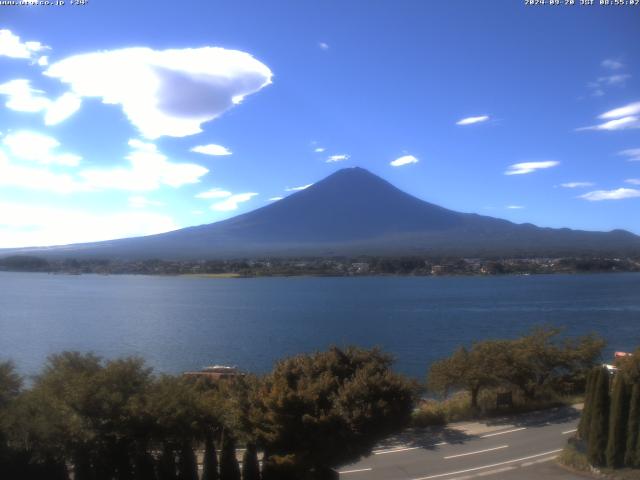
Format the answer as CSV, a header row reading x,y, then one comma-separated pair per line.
x,y
354,212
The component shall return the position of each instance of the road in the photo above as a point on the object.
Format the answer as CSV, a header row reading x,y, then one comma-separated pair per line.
x,y
518,447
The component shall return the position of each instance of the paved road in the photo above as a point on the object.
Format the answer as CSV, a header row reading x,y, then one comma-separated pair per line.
x,y
522,447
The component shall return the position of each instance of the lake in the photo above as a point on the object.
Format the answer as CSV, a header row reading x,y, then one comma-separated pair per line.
x,y
185,323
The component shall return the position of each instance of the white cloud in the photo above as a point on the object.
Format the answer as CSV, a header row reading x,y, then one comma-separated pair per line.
x,y
211,149
404,160
297,189
27,225
614,80
612,64
576,184
633,181
618,194
232,202
22,98
35,147
338,158
138,201
214,193
323,46
35,178
472,120
43,61
149,170
632,154
529,167
275,199
168,92
319,149
626,111
11,46
515,207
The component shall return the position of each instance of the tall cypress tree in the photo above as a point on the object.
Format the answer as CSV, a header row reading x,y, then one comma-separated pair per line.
x,y
229,468
618,419
631,458
599,423
250,465
167,464
585,418
210,461
188,466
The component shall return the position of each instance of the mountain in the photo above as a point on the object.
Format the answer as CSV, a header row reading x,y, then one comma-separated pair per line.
x,y
354,212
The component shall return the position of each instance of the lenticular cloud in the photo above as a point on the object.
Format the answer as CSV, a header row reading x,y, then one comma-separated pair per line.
x,y
168,92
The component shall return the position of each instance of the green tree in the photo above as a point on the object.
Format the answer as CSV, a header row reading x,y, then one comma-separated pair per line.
x,y
585,417
229,468
598,432
187,466
250,465
618,420
328,408
210,460
631,457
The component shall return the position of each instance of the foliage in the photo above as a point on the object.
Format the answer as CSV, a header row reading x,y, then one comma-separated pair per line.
x,y
618,418
599,425
250,465
632,455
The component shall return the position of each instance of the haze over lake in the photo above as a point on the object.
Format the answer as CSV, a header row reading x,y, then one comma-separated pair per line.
x,y
184,323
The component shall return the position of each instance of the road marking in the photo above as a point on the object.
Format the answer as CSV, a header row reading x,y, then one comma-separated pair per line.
x,y
394,450
497,470
477,451
344,472
542,460
570,431
488,466
502,433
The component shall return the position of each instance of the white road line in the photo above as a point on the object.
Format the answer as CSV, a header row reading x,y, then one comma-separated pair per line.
x,y
496,471
542,460
477,451
488,466
569,431
394,450
502,433
355,471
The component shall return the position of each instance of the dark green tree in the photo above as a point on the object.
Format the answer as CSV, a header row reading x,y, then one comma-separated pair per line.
x,y
618,420
229,468
187,465
210,460
250,465
585,418
631,458
598,432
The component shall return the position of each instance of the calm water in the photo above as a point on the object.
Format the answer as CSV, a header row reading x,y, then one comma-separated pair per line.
x,y
180,323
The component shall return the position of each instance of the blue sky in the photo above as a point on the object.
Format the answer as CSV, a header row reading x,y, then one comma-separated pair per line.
x,y
124,118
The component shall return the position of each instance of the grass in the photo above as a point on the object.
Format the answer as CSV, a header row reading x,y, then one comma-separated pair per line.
x,y
457,407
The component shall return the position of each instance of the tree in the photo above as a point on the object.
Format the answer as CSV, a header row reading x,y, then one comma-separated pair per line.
x,y
187,466
599,420
631,458
618,419
585,417
470,370
328,408
210,460
229,469
250,465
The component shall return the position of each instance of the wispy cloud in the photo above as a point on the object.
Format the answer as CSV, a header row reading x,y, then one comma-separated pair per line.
x,y
138,201
472,120
211,149
515,207
621,118
11,46
297,189
323,46
232,203
404,160
168,92
633,181
38,148
632,154
214,193
319,149
617,194
529,167
338,158
22,97
612,64
275,199
576,184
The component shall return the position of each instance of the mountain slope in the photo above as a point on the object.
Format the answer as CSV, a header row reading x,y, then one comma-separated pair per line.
x,y
355,212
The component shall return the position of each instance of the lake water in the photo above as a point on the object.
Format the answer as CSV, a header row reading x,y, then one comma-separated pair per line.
x,y
183,323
